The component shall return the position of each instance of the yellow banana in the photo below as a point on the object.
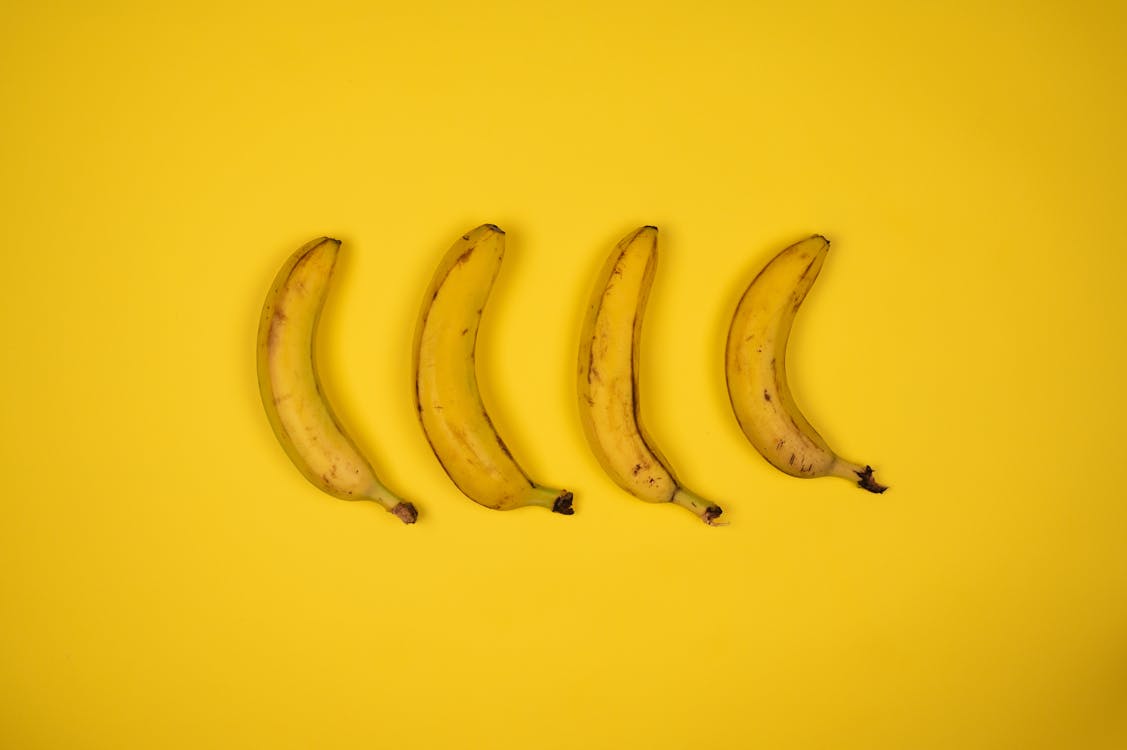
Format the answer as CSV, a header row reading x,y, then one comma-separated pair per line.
x,y
450,408
287,378
756,369
608,379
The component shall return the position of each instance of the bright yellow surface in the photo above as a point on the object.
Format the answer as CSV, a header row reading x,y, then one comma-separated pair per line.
x,y
169,580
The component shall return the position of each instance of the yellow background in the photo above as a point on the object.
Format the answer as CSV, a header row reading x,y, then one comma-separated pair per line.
x,y
169,580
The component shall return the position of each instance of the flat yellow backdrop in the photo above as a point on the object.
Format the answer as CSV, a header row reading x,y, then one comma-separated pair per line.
x,y
169,580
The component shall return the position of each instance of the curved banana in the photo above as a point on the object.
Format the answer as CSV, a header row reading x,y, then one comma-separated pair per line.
x,y
450,408
756,369
608,379
287,378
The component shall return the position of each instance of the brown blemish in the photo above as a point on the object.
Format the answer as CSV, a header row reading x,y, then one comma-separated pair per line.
x,y
805,271
791,462
636,469
505,449
766,395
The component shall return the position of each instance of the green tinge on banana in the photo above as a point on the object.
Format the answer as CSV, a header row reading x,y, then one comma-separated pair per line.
x,y
302,419
608,379
756,369
450,408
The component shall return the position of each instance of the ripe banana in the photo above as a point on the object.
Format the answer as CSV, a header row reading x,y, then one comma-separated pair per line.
x,y
756,369
287,378
608,379
450,408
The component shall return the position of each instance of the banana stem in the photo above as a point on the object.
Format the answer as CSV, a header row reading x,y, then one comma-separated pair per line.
x,y
406,512
557,501
707,511
862,475
392,503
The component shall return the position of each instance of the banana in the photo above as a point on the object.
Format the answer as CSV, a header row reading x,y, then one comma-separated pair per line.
x,y
287,379
451,411
756,369
608,379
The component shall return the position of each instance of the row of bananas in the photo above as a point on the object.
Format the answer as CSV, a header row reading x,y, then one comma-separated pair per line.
x,y
453,416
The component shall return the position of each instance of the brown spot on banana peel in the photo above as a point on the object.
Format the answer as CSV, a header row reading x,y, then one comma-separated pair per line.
x,y
505,449
805,273
277,319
